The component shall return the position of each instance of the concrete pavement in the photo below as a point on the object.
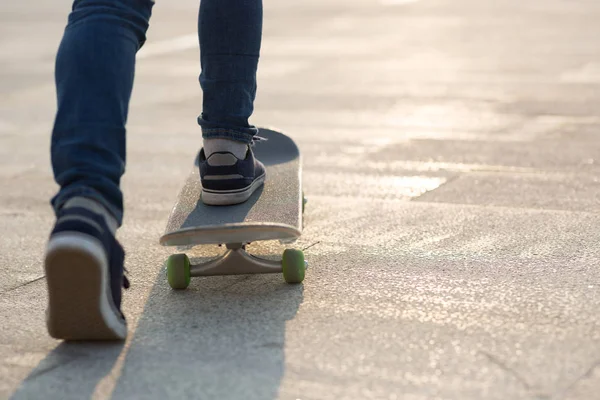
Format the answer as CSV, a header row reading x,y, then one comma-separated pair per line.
x,y
451,155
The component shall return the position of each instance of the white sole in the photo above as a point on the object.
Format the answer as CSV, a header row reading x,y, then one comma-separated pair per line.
x,y
231,197
78,290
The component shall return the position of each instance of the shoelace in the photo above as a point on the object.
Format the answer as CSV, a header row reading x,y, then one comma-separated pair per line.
x,y
256,139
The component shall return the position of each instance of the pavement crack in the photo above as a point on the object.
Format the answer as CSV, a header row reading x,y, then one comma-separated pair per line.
x,y
308,247
23,284
495,360
588,373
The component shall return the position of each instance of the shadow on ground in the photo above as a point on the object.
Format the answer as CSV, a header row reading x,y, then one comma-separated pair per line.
x,y
70,371
222,338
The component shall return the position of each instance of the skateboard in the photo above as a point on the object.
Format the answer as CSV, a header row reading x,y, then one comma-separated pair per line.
x,y
273,212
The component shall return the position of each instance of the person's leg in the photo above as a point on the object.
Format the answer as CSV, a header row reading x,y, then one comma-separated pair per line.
x,y
230,33
94,77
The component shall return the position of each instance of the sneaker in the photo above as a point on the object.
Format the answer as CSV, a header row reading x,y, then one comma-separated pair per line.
x,y
228,180
84,271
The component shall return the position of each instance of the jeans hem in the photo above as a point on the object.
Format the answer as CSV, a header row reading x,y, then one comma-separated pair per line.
x,y
211,130
213,133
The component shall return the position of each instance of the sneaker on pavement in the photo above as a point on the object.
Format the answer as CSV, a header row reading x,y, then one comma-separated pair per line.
x,y
228,180
84,271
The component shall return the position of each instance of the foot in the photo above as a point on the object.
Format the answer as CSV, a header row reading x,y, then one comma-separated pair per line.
x,y
84,271
229,176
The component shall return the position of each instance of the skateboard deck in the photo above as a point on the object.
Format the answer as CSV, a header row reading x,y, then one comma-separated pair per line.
x,y
274,211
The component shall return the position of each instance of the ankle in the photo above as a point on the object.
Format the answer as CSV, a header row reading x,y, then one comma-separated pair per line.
x,y
213,145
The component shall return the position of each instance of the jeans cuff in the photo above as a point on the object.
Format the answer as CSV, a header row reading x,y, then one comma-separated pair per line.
x,y
240,134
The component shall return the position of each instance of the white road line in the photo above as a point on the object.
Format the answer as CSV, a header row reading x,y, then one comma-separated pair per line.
x,y
174,45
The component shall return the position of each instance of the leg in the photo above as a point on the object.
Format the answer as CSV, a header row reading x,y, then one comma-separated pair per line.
x,y
94,77
230,34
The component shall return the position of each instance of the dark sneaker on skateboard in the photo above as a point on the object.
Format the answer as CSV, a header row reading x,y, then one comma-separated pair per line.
x,y
84,271
228,180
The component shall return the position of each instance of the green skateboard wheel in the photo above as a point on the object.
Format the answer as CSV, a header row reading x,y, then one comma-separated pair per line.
x,y
178,271
293,266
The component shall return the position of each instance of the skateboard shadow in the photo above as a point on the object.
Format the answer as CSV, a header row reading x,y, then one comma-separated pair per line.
x,y
278,148
222,338
70,371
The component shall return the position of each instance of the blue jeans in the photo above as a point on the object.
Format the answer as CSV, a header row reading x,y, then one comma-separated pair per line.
x,y
94,77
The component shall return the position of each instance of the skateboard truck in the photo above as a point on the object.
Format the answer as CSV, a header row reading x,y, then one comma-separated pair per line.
x,y
235,261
